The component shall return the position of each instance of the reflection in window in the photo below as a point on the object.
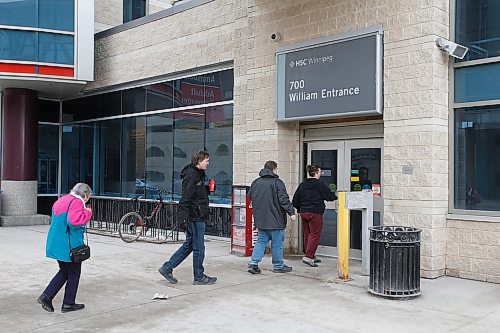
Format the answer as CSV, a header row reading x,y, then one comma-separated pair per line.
x,y
219,137
48,157
477,151
365,166
48,14
88,136
154,152
18,45
189,137
222,150
133,157
133,100
159,139
56,48
19,13
70,157
109,158
144,157
478,28
56,14
160,96
78,156
477,83
81,109
133,9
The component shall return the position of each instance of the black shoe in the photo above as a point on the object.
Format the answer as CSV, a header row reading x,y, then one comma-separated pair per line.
x,y
205,280
167,275
46,302
284,269
72,307
317,260
253,269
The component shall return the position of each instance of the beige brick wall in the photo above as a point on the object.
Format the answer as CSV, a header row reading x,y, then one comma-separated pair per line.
x,y
415,94
158,5
107,14
473,250
416,124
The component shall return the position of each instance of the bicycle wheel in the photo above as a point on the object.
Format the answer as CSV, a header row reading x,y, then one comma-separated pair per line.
x,y
130,227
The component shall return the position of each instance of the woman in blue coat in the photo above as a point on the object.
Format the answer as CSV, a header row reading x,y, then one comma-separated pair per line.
x,y
67,228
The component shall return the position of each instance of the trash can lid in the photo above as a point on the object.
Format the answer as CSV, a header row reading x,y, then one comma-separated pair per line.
x,y
396,234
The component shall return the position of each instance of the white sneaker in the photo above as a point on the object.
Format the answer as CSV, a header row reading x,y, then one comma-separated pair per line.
x,y
309,262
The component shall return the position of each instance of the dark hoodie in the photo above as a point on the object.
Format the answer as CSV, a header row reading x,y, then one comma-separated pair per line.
x,y
311,195
193,205
270,201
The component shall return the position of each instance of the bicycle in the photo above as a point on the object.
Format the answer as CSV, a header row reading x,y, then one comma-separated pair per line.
x,y
133,224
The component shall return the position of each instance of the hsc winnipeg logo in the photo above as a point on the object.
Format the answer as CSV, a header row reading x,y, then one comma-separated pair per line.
x,y
311,61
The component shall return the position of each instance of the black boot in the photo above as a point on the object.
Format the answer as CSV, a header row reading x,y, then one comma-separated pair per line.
x,y
46,302
72,307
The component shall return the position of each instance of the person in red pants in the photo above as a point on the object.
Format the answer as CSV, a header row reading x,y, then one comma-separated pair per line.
x,y
309,200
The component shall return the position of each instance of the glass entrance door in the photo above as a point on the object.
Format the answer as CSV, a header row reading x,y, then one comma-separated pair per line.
x,y
354,165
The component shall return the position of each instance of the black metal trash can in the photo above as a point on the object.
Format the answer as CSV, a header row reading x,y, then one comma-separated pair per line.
x,y
394,261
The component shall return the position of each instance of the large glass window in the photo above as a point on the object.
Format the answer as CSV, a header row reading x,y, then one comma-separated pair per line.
x,y
36,46
133,158
477,156
19,13
139,155
48,158
18,45
109,158
48,14
48,111
134,100
57,14
189,137
159,158
478,27
70,169
477,83
79,156
160,96
56,48
219,144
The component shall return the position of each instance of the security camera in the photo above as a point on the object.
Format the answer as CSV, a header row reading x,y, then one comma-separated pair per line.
x,y
453,49
275,36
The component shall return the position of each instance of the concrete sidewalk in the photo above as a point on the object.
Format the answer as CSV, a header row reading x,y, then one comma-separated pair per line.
x,y
118,282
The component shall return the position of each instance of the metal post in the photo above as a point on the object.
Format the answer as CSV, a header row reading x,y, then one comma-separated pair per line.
x,y
367,222
343,237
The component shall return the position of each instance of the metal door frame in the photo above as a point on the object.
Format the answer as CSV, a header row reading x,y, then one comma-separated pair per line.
x,y
344,148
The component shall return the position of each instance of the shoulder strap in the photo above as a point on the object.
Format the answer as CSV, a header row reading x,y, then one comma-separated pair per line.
x,y
67,226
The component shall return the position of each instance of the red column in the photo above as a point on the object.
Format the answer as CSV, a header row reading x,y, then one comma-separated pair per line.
x,y
20,134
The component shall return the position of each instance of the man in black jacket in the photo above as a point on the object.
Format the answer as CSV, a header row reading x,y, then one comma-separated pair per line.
x,y
193,212
271,204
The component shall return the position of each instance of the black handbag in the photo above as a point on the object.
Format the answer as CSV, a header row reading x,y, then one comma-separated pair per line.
x,y
79,253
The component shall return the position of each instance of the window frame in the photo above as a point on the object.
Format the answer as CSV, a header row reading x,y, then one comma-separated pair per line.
x,y
491,216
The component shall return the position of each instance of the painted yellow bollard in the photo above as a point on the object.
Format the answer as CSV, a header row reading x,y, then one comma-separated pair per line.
x,y
343,238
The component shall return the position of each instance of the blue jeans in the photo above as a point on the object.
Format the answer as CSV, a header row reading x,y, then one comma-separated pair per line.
x,y
277,237
195,242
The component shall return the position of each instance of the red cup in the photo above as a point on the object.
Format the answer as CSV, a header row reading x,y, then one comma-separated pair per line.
x,y
211,185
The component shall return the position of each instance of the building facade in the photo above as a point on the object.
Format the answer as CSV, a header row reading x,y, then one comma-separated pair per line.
x,y
397,115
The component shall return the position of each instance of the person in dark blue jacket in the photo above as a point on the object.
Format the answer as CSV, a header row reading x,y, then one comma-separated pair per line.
x,y
193,212
309,200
